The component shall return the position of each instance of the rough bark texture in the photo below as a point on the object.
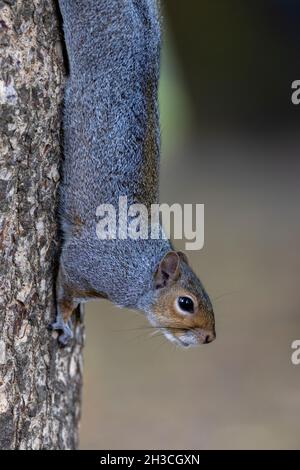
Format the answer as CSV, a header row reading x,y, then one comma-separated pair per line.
x,y
40,384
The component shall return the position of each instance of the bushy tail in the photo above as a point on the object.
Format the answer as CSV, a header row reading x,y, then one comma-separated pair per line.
x,y
103,33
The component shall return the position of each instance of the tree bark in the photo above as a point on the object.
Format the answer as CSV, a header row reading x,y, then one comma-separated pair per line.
x,y
40,384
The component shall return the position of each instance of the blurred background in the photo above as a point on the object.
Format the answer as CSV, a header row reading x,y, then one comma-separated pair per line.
x,y
230,140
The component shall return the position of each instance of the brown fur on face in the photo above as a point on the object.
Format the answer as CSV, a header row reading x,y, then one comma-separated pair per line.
x,y
175,280
166,310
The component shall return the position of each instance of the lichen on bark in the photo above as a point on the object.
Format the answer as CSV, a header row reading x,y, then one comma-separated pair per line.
x,y
40,384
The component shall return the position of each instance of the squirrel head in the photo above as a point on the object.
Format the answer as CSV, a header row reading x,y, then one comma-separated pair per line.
x,y
180,307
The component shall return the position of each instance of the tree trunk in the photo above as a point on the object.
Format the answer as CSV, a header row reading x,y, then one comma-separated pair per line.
x,y
40,384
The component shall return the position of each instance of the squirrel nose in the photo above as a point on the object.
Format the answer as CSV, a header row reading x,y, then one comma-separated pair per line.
x,y
208,336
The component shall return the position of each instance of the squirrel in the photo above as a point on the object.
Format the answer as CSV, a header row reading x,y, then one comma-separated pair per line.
x,y
112,148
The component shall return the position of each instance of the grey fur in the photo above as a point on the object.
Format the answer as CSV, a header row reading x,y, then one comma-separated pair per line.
x,y
111,143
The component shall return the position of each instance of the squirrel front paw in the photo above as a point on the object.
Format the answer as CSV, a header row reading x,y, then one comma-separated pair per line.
x,y
65,330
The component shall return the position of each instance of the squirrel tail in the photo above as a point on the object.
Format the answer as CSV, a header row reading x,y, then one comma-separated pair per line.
x,y
99,34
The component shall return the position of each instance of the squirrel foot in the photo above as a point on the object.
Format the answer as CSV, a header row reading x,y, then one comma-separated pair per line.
x,y
66,331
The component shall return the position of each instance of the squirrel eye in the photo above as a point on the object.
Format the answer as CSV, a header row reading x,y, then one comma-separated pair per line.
x,y
186,304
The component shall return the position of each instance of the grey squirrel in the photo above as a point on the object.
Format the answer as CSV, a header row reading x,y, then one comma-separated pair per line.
x,y
111,148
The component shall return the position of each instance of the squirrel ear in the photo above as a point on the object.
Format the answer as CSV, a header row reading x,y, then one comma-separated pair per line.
x,y
168,270
183,257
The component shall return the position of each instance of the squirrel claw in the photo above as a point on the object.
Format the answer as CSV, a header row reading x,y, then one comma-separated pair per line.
x,y
66,332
